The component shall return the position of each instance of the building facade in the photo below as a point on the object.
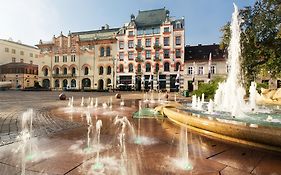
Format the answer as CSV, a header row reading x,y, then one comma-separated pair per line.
x,y
150,50
11,51
81,60
21,75
199,68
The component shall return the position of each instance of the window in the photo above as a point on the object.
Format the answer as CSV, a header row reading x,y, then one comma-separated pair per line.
x,y
200,70
101,51
157,41
140,32
166,29
57,59
121,68
108,70
166,67
178,25
21,60
131,33
139,68
21,53
6,49
73,71
178,53
108,82
213,69
139,42
57,71
31,54
178,40
130,44
101,70
65,71
147,67
108,51
72,58
86,71
166,41
13,60
166,53
131,55
57,83
147,42
177,66
157,54
190,70
139,55
156,67
131,67
156,30
64,58
36,55
46,72
13,51
73,83
121,44
148,31
147,54
121,56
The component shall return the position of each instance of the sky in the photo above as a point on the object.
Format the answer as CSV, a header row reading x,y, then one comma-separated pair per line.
x,y
29,21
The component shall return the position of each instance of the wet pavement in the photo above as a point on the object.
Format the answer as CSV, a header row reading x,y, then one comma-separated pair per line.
x,y
60,137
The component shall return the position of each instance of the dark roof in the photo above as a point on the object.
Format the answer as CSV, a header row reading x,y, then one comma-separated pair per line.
x,y
202,52
151,17
17,64
96,31
33,47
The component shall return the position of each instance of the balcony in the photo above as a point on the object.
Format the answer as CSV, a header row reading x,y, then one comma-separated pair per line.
x,y
64,75
139,48
157,59
157,47
139,59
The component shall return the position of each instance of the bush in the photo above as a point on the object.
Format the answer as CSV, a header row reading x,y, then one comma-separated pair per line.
x,y
208,89
261,85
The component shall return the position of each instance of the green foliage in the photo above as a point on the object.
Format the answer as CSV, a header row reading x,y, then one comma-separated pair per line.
x,y
262,85
209,89
260,38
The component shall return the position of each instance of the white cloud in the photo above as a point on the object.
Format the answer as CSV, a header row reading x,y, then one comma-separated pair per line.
x,y
28,20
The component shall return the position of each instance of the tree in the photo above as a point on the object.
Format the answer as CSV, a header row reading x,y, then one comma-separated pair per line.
x,y
260,38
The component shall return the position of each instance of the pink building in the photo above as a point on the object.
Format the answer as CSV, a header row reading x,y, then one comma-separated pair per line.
x,y
150,50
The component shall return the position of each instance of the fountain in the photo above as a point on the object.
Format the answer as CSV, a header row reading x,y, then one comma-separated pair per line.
x,y
229,109
96,104
122,103
90,125
82,102
98,166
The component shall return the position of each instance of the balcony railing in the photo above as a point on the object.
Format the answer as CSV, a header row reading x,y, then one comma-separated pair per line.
x,y
139,47
64,75
157,47
138,59
157,59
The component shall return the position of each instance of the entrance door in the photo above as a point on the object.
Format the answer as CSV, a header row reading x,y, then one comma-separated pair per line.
x,y
138,83
173,83
100,87
190,86
46,83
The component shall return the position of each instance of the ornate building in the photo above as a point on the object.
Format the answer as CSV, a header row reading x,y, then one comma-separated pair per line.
x,y
150,50
81,60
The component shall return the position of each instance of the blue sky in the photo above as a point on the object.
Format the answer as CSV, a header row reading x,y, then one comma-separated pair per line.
x,y
31,20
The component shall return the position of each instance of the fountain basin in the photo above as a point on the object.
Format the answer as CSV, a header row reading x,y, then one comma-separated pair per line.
x,y
245,133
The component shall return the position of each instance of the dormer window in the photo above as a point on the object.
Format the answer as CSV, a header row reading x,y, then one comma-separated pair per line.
x,y
131,33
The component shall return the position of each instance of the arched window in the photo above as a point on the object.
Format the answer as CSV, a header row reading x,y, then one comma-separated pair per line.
x,y
121,68
166,67
101,70
64,83
139,68
101,51
108,70
73,83
57,83
148,67
46,72
108,82
131,67
86,71
65,71
108,51
73,71
156,67
178,66
57,71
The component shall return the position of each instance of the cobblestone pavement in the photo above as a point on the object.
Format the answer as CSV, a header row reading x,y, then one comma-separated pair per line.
x,y
14,103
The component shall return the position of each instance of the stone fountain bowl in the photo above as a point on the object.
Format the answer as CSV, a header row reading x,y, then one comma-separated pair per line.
x,y
265,137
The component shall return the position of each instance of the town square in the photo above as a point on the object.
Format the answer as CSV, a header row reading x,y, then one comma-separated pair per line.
x,y
161,87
